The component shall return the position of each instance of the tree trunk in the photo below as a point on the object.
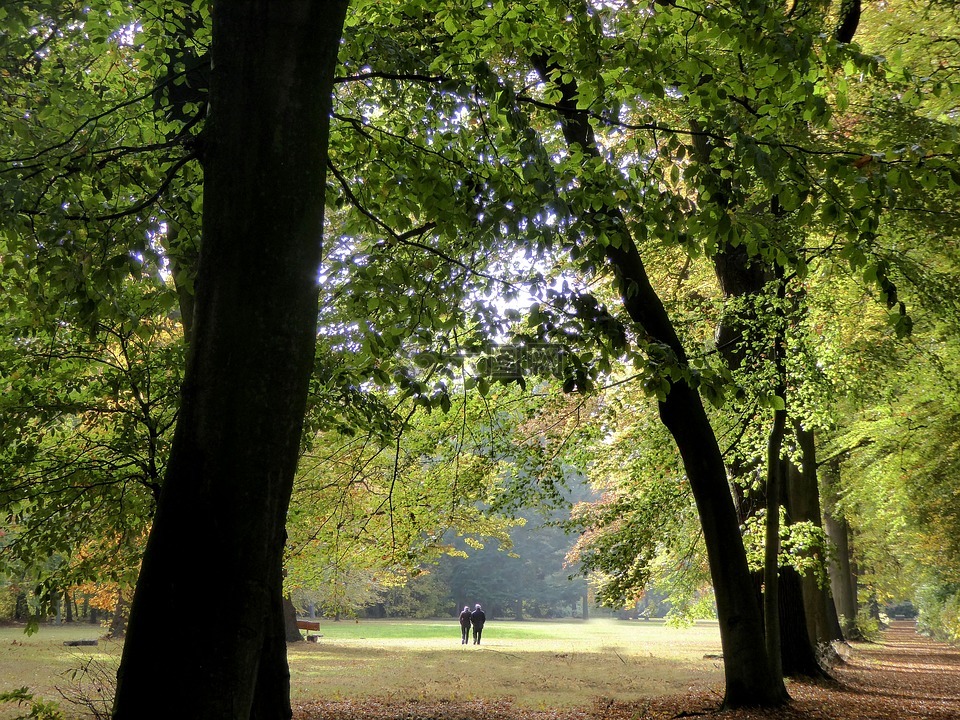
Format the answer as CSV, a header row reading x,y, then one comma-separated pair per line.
x,y
291,632
120,617
797,653
747,672
771,561
220,518
803,505
842,580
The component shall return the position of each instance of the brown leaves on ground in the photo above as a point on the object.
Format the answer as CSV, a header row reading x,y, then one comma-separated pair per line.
x,y
904,677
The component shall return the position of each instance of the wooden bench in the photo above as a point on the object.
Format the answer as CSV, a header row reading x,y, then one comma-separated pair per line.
x,y
309,626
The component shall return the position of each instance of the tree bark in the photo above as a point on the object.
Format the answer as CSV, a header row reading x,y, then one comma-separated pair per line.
x,y
220,518
803,505
842,579
119,620
291,632
797,653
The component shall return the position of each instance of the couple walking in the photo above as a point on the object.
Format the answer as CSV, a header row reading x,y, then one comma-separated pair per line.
x,y
476,619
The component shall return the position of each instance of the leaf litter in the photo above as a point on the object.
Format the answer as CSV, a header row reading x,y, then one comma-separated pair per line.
x,y
903,677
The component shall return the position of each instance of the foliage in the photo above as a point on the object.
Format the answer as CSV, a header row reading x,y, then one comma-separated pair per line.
x,y
940,611
39,709
384,507
88,415
801,544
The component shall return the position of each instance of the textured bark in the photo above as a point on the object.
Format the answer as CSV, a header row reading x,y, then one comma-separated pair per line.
x,y
220,518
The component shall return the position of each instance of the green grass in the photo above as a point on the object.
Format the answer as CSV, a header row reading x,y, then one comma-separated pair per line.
x,y
536,664
42,663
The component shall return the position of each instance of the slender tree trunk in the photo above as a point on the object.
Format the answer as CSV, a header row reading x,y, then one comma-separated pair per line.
x,y
803,505
220,518
771,563
748,676
842,579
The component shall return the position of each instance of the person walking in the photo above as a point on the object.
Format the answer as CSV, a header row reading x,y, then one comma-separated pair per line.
x,y
477,619
465,616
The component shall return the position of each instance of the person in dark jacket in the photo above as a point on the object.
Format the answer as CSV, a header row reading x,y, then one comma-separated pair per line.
x,y
477,618
465,625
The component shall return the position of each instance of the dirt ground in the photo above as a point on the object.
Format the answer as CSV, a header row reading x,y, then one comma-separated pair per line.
x,y
903,677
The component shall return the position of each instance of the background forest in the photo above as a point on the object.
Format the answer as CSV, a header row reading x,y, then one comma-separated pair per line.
x,y
497,374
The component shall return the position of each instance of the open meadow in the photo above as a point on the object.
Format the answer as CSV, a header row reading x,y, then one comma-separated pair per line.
x,y
533,663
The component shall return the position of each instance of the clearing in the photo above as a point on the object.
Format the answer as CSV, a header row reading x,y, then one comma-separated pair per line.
x,y
902,677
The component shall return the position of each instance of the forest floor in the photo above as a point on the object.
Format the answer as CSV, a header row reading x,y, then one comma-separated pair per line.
x,y
902,677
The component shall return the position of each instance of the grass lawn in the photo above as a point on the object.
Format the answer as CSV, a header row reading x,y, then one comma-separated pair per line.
x,y
42,663
536,664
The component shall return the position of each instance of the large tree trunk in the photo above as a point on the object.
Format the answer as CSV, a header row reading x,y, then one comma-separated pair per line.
x,y
220,519
747,672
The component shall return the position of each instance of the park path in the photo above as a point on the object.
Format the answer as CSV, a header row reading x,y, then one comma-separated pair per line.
x,y
904,676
